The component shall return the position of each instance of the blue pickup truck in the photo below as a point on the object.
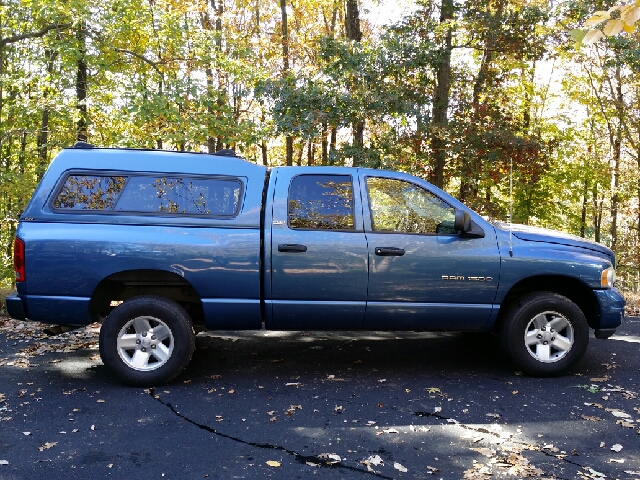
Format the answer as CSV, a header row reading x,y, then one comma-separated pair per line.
x,y
157,245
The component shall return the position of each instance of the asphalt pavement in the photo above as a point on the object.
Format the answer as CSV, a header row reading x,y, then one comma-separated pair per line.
x,y
294,405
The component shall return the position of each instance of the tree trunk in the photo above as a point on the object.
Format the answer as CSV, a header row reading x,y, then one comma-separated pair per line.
x,y
263,149
285,70
81,84
325,146
615,197
311,150
352,21
617,152
472,169
299,159
353,32
441,100
597,213
43,138
332,144
583,218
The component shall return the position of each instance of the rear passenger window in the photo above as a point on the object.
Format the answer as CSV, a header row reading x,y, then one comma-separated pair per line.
x,y
150,194
322,202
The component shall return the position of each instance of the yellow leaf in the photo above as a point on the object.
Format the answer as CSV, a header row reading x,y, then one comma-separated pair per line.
x,y
592,36
613,27
630,15
47,446
597,17
629,28
273,463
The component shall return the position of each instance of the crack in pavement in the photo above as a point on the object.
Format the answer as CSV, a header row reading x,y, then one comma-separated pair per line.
x,y
267,446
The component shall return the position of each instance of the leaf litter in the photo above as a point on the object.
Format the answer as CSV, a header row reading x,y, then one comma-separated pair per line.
x,y
37,342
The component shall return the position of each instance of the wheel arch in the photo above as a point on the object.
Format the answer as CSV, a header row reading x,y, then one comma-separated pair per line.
x,y
127,284
568,287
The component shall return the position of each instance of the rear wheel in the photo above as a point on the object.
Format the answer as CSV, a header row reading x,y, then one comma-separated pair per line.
x,y
147,341
545,334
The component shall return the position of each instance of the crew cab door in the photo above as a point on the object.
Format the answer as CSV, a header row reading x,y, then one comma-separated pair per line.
x,y
422,274
319,259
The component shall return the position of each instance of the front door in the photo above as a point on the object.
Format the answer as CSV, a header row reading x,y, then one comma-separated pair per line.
x,y
422,274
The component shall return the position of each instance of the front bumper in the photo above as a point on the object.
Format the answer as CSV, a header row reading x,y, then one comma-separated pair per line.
x,y
15,307
611,305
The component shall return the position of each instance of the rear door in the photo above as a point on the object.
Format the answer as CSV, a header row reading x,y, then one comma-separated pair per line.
x,y
319,256
422,274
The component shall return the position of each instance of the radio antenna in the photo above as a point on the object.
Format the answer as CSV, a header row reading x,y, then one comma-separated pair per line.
x,y
511,207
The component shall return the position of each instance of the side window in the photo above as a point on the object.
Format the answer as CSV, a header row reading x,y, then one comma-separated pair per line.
x,y
322,202
89,192
150,194
399,206
192,196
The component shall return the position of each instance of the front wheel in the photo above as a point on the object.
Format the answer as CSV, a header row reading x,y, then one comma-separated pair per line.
x,y
147,341
545,334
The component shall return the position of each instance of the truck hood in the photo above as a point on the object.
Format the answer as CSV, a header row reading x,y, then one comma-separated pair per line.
x,y
537,234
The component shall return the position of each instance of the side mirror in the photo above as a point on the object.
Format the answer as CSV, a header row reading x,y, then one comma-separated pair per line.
x,y
462,222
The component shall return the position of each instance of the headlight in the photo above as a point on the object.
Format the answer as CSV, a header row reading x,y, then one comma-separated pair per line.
x,y
608,277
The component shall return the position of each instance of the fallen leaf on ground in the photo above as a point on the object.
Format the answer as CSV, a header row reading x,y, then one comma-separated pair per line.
x,y
398,466
331,458
273,463
47,446
592,419
619,414
487,452
626,424
374,460
616,448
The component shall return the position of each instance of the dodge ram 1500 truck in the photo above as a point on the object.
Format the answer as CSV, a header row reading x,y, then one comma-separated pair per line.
x,y
156,244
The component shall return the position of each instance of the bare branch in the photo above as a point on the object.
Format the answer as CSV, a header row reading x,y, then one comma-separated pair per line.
x,y
38,34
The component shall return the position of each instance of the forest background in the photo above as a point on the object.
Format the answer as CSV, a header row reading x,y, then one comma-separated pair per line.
x,y
457,92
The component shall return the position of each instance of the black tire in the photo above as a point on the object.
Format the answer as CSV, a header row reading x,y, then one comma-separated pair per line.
x,y
541,317
147,341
